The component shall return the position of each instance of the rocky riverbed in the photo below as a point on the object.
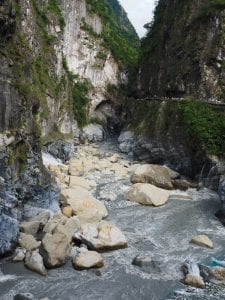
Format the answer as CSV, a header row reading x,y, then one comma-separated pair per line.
x,y
157,236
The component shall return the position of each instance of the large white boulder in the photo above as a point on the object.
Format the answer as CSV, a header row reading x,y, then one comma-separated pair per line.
x,y
75,181
55,248
147,194
81,167
202,240
71,226
84,205
103,236
154,174
28,242
88,259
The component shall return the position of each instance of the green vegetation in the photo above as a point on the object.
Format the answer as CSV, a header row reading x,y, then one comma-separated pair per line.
x,y
194,123
54,7
33,75
88,29
79,89
205,125
101,55
120,40
209,7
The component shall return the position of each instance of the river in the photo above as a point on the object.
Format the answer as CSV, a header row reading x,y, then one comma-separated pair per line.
x,y
163,233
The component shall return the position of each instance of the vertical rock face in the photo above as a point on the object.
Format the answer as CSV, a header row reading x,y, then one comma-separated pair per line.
x,y
47,51
84,52
183,53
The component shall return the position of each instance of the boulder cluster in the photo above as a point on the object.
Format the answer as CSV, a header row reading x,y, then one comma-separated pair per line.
x,y
79,231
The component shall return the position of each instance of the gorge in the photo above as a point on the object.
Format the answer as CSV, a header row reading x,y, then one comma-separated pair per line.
x,y
88,171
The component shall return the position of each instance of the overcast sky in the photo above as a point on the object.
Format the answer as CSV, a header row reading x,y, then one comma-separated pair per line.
x,y
140,12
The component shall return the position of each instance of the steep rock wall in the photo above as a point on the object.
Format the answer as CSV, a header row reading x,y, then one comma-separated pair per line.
x,y
85,54
54,70
183,53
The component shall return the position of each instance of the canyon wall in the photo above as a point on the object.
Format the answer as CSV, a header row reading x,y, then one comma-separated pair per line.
x,y
56,68
183,52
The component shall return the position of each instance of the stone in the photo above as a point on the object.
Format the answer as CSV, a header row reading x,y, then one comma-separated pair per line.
x,y
93,133
28,242
126,141
42,218
76,167
218,273
71,226
50,226
87,260
102,236
34,262
192,274
81,167
114,158
52,223
24,296
221,190
173,174
78,181
9,232
57,29
30,227
55,248
19,255
61,149
147,263
195,281
58,172
202,240
119,170
67,211
147,194
84,205
184,184
154,174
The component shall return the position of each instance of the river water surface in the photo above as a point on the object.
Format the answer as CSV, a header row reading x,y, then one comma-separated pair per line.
x,y
163,233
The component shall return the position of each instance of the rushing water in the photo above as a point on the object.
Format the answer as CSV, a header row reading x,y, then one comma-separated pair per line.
x,y
162,233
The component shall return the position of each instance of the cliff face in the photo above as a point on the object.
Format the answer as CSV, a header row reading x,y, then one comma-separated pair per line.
x,y
55,71
82,48
183,53
51,50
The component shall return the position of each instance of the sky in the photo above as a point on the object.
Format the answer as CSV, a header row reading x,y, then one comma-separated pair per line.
x,y
139,12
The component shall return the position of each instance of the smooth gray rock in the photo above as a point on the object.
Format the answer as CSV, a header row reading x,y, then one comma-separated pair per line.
x,y
30,227
34,262
9,233
147,263
220,214
93,133
28,242
60,149
19,255
24,296
126,141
